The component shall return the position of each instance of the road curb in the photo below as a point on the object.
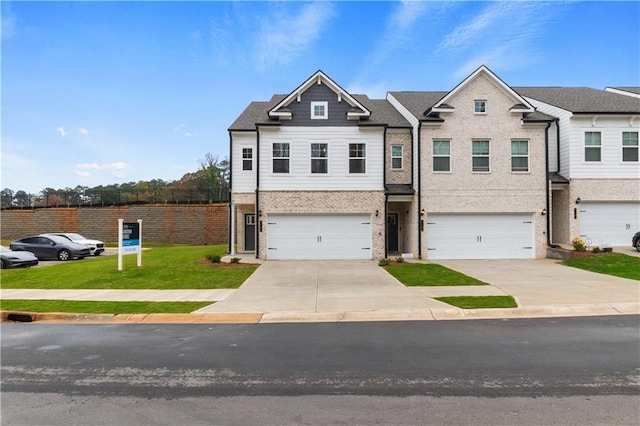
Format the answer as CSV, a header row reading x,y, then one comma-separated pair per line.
x,y
60,317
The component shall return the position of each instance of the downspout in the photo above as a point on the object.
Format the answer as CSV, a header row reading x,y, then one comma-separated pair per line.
x,y
420,219
231,225
258,228
548,190
384,185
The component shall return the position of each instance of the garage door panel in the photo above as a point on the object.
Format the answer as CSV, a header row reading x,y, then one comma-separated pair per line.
x,y
609,223
461,236
319,237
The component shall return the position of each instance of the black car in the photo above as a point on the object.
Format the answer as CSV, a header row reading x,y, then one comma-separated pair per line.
x,y
636,241
51,247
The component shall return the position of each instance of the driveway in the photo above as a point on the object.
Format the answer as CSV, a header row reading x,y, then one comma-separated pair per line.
x,y
321,286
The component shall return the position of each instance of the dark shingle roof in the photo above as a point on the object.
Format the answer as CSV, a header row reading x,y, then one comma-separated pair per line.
x,y
399,189
582,100
418,102
635,90
382,113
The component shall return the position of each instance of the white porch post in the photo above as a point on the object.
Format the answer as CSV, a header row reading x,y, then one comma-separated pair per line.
x,y
233,230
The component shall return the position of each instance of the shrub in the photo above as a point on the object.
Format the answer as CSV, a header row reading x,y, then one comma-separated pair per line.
x,y
596,250
579,244
400,259
607,249
383,262
235,260
215,258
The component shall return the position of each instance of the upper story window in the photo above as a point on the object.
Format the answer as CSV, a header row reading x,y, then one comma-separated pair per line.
x,y
319,110
247,158
480,156
629,146
519,156
319,157
480,106
441,155
357,158
592,146
396,157
281,158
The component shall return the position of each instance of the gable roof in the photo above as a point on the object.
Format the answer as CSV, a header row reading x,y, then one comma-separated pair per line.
x,y
358,110
520,103
583,100
416,102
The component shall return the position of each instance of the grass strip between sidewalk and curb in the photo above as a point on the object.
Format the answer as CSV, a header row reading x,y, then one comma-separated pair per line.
x,y
479,302
430,274
616,264
101,307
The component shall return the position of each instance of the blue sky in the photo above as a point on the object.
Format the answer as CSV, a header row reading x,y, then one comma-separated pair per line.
x,y
112,92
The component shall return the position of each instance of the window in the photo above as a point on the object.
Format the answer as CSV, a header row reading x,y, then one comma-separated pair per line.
x,y
441,155
629,146
247,158
520,156
280,158
592,146
319,154
480,106
480,156
357,158
396,157
319,110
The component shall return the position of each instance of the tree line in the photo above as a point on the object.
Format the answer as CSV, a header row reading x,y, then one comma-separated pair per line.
x,y
209,184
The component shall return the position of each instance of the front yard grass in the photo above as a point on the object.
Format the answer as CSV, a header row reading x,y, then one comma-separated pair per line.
x,y
95,307
430,274
618,265
163,268
479,302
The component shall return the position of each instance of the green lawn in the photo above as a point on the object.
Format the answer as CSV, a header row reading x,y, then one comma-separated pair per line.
x,y
429,274
619,265
480,302
163,268
90,307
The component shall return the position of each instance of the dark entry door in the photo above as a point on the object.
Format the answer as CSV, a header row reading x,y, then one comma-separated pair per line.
x,y
250,232
392,232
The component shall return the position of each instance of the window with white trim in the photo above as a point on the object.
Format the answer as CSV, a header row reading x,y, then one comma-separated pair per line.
x,y
357,158
280,158
480,106
480,155
319,157
247,158
592,146
519,155
629,146
319,110
396,157
441,155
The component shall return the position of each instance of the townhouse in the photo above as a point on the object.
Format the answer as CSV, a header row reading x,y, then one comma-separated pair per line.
x,y
480,171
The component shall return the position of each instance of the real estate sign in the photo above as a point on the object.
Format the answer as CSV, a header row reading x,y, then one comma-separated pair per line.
x,y
129,240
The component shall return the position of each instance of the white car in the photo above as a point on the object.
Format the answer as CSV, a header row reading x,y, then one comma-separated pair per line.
x,y
95,246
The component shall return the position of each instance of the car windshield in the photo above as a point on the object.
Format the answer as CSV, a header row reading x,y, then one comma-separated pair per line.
x,y
58,239
75,237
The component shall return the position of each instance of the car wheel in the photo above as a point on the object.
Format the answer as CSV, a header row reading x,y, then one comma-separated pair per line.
x,y
64,255
638,244
4,265
97,254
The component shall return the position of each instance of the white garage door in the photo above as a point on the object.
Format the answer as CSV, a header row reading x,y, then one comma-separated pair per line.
x,y
467,236
319,237
609,223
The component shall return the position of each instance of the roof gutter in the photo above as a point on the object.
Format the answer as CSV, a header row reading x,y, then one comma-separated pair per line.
x,y
420,219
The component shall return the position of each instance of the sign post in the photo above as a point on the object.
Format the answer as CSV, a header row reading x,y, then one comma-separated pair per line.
x,y
129,240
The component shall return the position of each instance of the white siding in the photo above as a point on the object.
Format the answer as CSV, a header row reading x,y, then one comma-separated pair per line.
x,y
611,164
243,180
338,176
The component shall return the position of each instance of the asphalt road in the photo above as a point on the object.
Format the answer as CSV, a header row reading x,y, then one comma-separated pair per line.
x,y
567,368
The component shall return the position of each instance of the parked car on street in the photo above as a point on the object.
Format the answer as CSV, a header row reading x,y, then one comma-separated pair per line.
x,y
16,259
95,246
636,241
51,247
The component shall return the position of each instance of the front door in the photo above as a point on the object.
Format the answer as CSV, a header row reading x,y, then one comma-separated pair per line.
x,y
250,232
392,233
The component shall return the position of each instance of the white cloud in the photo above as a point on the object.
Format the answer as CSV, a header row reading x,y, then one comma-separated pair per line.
x,y
83,131
117,170
61,131
182,129
284,36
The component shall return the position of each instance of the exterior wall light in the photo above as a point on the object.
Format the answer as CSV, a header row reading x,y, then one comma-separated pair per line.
x,y
377,213
260,213
422,212
543,212
578,200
